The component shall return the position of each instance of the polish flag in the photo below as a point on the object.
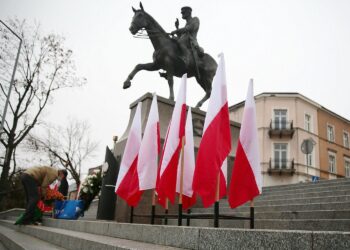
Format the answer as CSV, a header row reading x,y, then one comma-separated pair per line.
x,y
246,181
188,197
147,164
166,183
216,142
127,180
54,185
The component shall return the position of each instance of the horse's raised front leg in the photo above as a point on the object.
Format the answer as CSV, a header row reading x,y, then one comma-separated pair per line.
x,y
171,86
138,67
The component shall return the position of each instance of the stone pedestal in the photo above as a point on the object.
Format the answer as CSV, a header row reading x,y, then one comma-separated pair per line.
x,y
165,108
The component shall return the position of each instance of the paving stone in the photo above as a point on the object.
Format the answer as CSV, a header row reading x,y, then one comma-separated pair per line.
x,y
253,239
331,240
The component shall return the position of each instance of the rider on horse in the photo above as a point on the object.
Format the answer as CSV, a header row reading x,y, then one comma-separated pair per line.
x,y
187,36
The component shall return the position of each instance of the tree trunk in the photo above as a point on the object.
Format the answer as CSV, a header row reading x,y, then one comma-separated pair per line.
x,y
4,181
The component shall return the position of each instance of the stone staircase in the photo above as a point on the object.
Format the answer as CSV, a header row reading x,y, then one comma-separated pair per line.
x,y
322,206
305,208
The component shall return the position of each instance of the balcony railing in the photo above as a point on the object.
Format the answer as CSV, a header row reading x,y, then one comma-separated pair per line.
x,y
281,128
281,166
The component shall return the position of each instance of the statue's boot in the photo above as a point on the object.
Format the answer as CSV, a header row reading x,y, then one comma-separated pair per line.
x,y
163,74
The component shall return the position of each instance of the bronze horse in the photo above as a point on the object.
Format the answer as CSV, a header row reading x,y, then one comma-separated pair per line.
x,y
166,57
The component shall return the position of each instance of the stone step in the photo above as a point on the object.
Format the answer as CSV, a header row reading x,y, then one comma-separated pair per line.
x,y
342,225
310,184
308,200
315,188
74,240
315,214
14,240
210,238
303,224
280,208
285,200
340,192
2,247
11,212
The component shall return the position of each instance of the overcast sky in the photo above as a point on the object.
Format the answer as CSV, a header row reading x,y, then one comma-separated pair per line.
x,y
285,46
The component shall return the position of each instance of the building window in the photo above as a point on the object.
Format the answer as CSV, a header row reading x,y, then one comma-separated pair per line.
x,y
280,119
280,155
308,122
332,162
347,167
346,139
330,133
308,159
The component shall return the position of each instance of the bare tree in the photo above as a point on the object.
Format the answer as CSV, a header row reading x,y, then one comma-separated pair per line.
x,y
69,147
44,67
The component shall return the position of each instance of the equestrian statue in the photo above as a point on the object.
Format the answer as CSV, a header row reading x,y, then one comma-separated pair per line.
x,y
176,53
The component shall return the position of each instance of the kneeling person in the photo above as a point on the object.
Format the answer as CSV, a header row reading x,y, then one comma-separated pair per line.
x,y
32,179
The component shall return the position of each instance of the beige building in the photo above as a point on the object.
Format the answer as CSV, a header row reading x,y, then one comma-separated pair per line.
x,y
284,121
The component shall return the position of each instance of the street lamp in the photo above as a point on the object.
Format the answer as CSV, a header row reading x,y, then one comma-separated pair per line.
x,y
12,78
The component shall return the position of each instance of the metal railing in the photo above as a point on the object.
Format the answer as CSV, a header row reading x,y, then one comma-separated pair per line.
x,y
281,128
281,166
281,125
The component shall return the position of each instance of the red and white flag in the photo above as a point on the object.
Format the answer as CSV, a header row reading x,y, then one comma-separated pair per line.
x,y
54,185
188,197
246,181
147,164
166,183
127,183
216,142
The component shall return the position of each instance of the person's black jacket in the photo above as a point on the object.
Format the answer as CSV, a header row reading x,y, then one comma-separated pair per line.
x,y
63,188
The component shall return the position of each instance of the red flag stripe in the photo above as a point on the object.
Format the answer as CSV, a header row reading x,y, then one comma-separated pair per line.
x,y
188,202
213,149
243,186
167,183
129,186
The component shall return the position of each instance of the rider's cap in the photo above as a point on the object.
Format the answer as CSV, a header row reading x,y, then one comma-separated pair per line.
x,y
186,8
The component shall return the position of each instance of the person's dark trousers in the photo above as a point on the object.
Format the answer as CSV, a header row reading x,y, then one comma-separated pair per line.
x,y
63,188
32,194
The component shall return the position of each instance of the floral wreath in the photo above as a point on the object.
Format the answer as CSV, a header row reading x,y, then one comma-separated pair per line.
x,y
90,187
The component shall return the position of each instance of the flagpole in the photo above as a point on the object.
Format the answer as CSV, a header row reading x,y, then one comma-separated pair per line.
x,y
179,222
252,214
188,218
131,214
166,211
217,198
153,211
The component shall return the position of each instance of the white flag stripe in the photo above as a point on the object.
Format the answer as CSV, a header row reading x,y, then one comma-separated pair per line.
x,y
218,95
174,126
249,136
132,146
224,169
148,155
189,161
